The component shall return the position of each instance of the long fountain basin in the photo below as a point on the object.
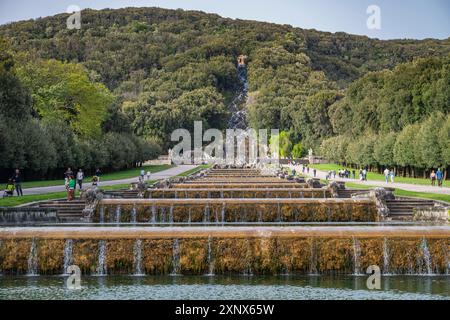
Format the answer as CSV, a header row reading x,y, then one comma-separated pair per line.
x,y
217,185
236,210
217,250
238,193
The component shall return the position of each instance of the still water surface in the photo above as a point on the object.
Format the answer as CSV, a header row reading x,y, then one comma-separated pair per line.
x,y
225,287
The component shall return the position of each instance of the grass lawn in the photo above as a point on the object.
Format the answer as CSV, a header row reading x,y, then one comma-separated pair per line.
x,y
16,201
125,174
373,175
404,193
194,170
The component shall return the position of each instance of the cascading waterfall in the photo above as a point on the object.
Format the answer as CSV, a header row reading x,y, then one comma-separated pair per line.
x,y
313,259
238,118
222,213
33,259
133,214
118,213
248,270
171,214
102,214
426,257
137,250
68,251
153,219
176,257
356,257
206,214
386,257
210,258
260,218
101,268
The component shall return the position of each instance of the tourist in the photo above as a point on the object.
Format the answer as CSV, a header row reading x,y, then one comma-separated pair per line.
x,y
392,174
80,177
68,173
314,172
98,173
148,175
94,181
439,177
365,174
142,174
386,174
354,174
433,178
72,186
17,179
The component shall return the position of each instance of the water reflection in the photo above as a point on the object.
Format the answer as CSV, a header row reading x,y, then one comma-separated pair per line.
x,y
226,287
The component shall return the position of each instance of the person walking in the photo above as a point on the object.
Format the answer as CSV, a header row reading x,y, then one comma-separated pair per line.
x,y
142,174
314,172
354,174
433,178
364,174
80,177
17,179
386,174
439,177
72,186
392,174
149,175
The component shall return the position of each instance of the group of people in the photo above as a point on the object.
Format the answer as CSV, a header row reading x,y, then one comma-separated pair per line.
x,y
438,175
14,183
389,174
71,181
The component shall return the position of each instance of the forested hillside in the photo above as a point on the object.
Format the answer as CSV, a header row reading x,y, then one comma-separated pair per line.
x,y
147,71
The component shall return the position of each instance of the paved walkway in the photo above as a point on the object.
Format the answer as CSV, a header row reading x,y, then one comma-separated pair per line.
x,y
404,186
155,176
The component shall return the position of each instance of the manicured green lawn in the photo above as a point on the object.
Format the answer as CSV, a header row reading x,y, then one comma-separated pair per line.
x,y
373,175
16,201
404,193
125,174
194,170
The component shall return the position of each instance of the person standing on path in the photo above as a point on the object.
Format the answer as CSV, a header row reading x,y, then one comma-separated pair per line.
x,y
17,179
433,178
439,177
386,174
149,174
142,174
68,173
314,172
97,174
80,177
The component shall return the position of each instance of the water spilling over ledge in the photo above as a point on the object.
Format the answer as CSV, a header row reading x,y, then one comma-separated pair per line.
x,y
256,250
236,210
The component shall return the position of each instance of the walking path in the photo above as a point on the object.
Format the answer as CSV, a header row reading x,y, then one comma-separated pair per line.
x,y
404,186
155,176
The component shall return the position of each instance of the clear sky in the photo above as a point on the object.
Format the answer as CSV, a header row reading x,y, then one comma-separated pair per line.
x,y
417,19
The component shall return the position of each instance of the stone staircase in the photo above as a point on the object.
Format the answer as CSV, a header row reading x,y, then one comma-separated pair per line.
x,y
347,193
400,209
66,210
